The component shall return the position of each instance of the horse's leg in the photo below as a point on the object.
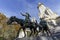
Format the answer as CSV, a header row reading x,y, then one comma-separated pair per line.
x,y
18,32
24,30
31,31
49,32
46,30
34,30
43,30
37,30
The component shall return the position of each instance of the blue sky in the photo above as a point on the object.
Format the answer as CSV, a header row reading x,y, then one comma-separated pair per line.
x,y
14,7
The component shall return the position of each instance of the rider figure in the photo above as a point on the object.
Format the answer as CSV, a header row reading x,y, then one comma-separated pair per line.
x,y
27,18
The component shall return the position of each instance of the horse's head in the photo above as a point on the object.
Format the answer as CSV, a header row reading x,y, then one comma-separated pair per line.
x,y
11,19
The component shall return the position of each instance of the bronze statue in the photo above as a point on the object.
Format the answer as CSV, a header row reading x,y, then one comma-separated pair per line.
x,y
27,17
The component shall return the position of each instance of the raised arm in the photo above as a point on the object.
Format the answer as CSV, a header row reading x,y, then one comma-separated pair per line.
x,y
23,14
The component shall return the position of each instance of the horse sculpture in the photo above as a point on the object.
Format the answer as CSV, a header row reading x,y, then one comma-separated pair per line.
x,y
28,23
32,25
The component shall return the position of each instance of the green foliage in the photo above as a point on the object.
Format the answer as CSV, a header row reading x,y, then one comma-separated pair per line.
x,y
2,38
